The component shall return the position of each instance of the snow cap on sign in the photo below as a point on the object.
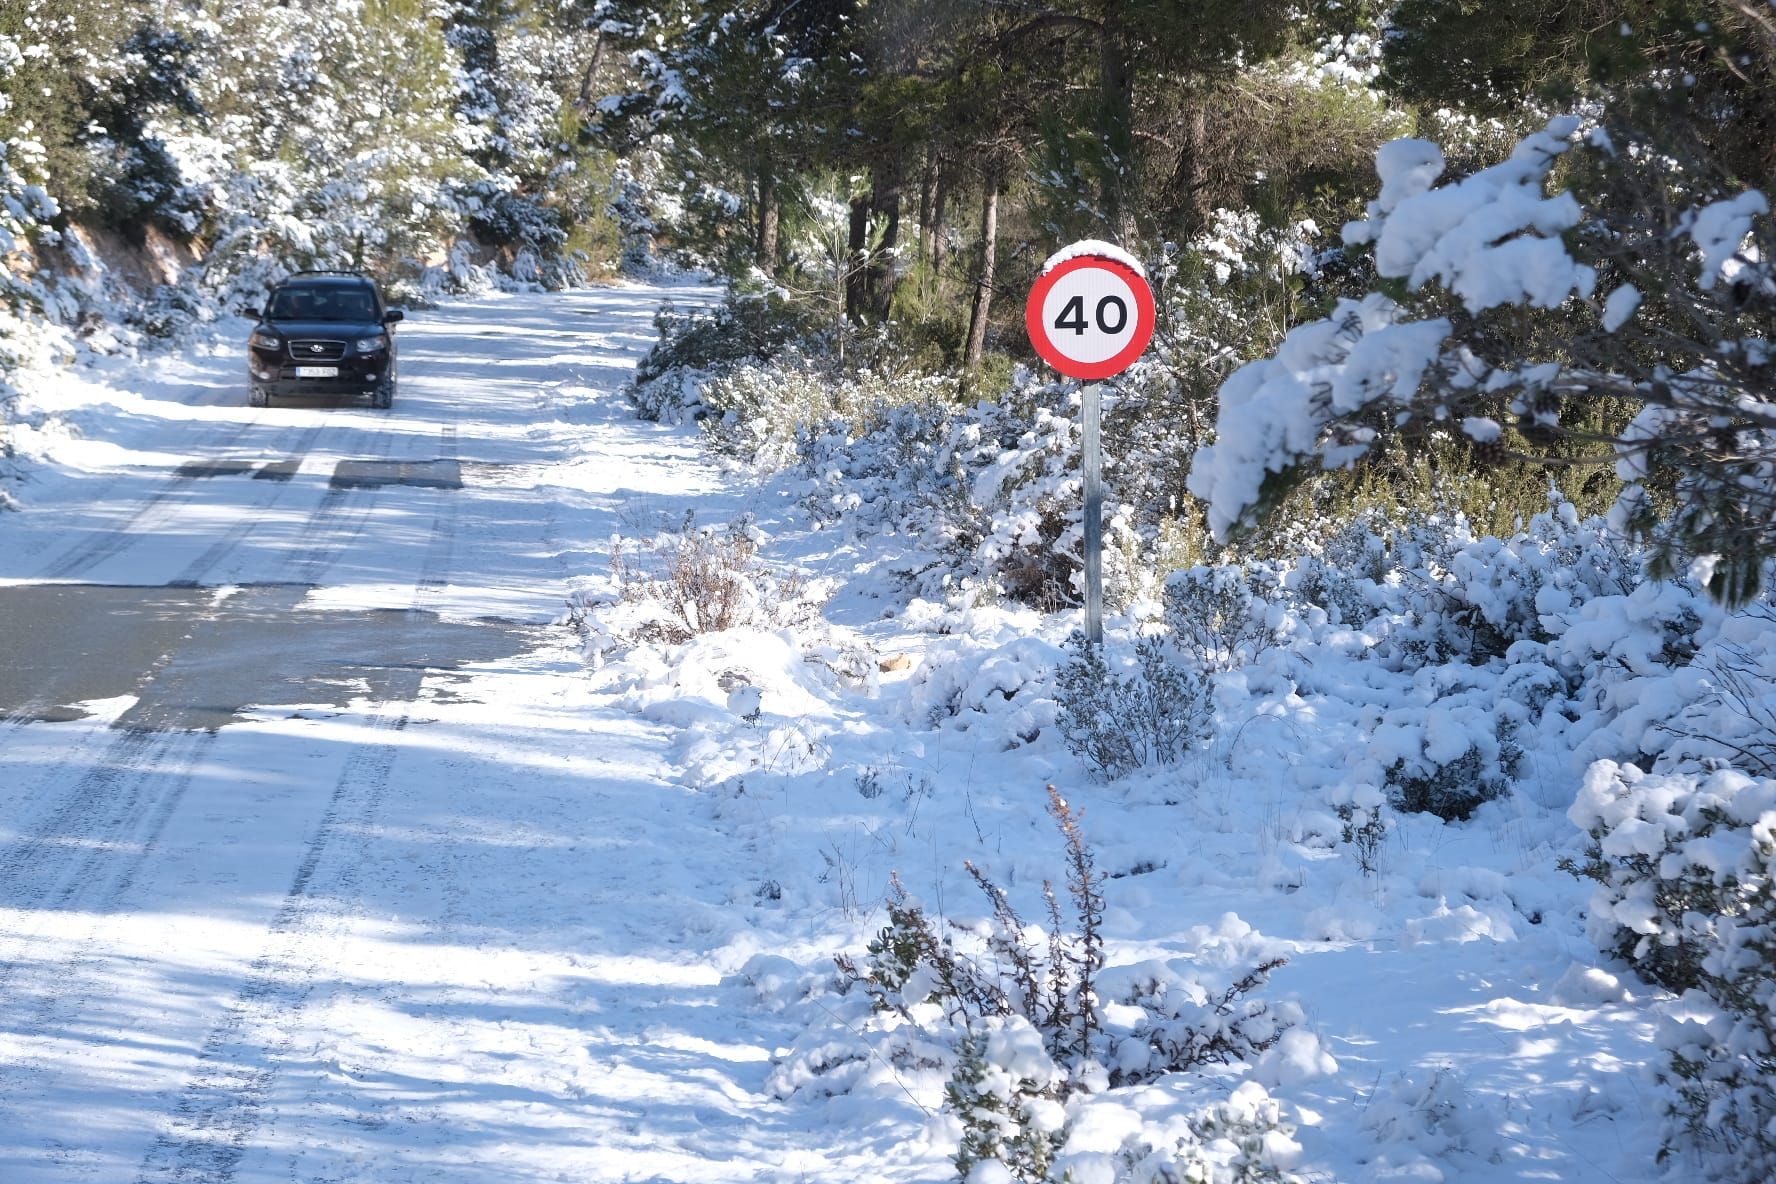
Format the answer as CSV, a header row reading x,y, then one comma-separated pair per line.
x,y
1097,247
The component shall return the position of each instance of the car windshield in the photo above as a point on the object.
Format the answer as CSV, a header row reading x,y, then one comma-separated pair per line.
x,y
321,304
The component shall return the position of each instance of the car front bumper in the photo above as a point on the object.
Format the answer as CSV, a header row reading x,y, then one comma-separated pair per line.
x,y
358,374
318,386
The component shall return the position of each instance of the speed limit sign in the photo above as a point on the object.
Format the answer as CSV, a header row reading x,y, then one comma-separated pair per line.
x,y
1090,314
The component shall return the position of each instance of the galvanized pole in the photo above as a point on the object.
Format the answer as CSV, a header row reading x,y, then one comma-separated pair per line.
x,y
1092,472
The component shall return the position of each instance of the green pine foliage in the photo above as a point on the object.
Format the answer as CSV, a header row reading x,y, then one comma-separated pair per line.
x,y
437,142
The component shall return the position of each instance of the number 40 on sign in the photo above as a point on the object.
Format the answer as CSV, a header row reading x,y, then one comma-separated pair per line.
x,y
1090,315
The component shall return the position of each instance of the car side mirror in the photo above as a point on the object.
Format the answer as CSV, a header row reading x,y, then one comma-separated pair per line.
x,y
393,315
250,312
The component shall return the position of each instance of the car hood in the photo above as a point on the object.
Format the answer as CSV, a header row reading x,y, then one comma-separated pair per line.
x,y
327,330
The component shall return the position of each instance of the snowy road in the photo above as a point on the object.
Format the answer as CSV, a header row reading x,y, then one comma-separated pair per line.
x,y
324,857
315,861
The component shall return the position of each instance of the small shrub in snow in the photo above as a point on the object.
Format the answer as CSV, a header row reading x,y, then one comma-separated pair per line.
x,y
1005,1089
1243,1140
1363,825
1033,1029
1119,722
1454,740
1048,980
1424,1118
1450,789
1338,572
697,580
1218,615
1685,865
696,345
1187,1027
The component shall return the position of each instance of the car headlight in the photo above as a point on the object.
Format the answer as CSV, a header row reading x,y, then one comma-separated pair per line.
x,y
266,341
369,345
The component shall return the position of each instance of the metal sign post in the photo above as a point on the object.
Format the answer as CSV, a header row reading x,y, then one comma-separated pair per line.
x,y
1090,315
1092,478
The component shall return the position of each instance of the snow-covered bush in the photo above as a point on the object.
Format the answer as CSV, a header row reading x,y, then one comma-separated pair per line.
x,y
1483,642
1363,823
1006,1092
695,347
1028,539
1447,591
992,487
1428,1115
1243,1140
1185,1025
1455,738
766,411
1035,1019
1685,864
1151,708
1002,967
907,476
1221,617
680,584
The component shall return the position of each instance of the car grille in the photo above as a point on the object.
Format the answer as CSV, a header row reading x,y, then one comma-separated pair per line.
x,y
309,350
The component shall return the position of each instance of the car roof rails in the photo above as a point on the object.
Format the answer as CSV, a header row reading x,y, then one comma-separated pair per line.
x,y
328,271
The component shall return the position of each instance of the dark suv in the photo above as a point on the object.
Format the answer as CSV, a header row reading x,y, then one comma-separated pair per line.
x,y
323,333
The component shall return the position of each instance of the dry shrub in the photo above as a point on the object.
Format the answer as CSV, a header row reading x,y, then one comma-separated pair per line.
x,y
702,580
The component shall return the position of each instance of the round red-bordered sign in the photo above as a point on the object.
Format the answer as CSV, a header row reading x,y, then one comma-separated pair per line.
x,y
1090,316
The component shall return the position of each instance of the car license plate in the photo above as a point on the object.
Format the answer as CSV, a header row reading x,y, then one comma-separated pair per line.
x,y
317,372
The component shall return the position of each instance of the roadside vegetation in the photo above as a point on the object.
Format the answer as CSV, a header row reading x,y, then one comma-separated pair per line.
x,y
1460,406
161,166
1454,454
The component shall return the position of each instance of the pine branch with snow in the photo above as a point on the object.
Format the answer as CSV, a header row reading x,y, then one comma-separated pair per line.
x,y
1698,418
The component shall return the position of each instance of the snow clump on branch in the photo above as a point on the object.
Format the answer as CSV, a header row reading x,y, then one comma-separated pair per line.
x,y
1702,413
1491,238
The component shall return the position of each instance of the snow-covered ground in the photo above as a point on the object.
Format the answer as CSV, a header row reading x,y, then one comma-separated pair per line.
x,y
422,898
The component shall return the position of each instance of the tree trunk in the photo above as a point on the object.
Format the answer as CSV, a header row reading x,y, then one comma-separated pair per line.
x,y
885,185
583,103
927,196
769,218
1190,180
1118,99
983,288
940,247
857,260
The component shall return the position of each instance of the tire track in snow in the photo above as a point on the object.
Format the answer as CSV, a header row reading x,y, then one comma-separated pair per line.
x,y
88,554
38,989
335,524
214,435
223,1101
191,576
193,573
107,786
57,864
317,545
58,869
143,777
100,802
62,863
